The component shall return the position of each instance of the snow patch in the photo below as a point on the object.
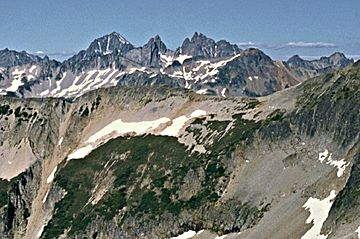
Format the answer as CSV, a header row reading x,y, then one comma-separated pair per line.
x,y
58,84
60,141
323,155
251,78
167,60
51,176
339,164
221,237
40,231
182,58
45,197
185,235
118,127
80,153
134,69
202,92
16,83
358,232
179,122
223,91
319,211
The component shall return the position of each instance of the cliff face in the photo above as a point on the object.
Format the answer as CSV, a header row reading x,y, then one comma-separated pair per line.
x,y
175,161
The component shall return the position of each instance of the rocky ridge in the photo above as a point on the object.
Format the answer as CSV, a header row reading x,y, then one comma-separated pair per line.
x,y
201,64
244,167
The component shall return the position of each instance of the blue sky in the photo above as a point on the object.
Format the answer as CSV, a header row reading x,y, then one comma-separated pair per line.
x,y
279,27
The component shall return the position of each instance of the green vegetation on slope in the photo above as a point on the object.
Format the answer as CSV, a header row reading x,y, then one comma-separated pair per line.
x,y
150,173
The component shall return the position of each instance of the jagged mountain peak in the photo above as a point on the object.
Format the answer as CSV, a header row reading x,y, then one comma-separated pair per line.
x,y
10,58
202,46
109,44
200,36
255,52
295,58
156,42
296,61
120,37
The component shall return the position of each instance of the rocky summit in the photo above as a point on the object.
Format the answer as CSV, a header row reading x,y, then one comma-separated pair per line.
x,y
206,141
200,64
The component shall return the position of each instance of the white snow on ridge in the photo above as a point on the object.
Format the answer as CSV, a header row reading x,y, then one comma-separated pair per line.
x,y
51,176
212,69
202,92
81,152
179,122
319,211
339,164
185,235
58,85
16,82
118,127
182,58
358,232
221,237
134,69
207,69
123,40
88,81
188,234
167,60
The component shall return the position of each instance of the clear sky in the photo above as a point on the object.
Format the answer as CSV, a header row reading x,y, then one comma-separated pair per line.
x,y
279,27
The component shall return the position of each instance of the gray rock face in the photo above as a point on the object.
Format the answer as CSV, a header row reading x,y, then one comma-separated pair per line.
x,y
200,64
106,51
261,160
109,44
202,46
149,54
10,58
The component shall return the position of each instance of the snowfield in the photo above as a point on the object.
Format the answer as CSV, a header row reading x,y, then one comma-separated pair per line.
x,y
319,211
81,152
179,123
119,128
339,164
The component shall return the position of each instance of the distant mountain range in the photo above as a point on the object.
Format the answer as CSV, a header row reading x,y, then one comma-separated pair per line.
x,y
200,64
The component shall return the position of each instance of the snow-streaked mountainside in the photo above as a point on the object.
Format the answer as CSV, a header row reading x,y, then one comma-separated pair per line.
x,y
207,141
200,64
159,162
